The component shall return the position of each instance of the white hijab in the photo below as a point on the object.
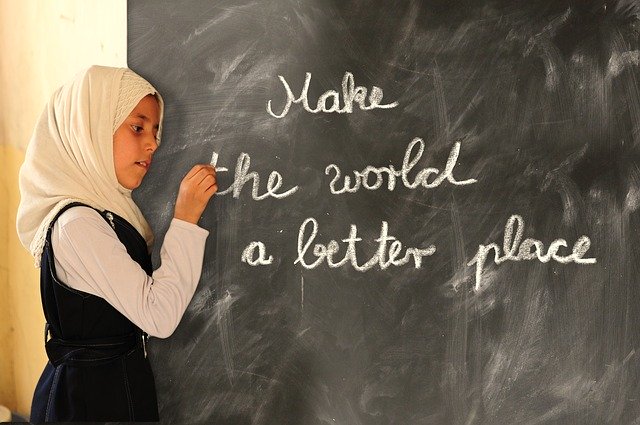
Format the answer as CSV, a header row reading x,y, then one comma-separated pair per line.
x,y
70,155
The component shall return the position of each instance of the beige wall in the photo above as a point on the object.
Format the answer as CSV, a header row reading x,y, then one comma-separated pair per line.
x,y
43,44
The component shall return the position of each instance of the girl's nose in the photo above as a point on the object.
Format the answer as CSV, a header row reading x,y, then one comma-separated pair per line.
x,y
152,144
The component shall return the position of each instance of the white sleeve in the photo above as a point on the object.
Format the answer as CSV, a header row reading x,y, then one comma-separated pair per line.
x,y
89,257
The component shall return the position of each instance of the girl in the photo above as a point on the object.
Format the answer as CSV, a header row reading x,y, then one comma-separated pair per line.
x,y
91,147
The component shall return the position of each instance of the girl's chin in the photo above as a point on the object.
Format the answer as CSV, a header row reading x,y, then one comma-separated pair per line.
x,y
133,178
131,184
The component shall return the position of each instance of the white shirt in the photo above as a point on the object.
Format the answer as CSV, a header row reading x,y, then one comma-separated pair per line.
x,y
89,257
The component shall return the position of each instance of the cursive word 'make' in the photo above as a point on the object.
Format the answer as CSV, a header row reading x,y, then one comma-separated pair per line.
x,y
329,101
372,178
389,252
515,249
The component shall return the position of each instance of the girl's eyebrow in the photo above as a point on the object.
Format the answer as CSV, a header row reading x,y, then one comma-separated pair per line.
x,y
145,118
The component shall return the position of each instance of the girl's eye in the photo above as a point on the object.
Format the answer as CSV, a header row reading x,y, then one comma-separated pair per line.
x,y
136,128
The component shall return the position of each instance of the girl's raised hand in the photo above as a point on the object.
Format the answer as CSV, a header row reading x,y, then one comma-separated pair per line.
x,y
197,187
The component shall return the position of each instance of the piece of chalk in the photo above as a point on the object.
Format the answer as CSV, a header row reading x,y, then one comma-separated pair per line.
x,y
214,163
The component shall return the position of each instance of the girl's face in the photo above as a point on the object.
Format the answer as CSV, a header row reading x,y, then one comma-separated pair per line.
x,y
134,142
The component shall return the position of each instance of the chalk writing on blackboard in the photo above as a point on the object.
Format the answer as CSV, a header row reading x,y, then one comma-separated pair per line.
x,y
386,255
390,250
243,176
515,249
361,178
256,254
329,101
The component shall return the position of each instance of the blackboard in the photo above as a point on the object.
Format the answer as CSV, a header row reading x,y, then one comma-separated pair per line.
x,y
518,124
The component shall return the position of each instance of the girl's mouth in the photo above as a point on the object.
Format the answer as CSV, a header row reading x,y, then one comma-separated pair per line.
x,y
143,164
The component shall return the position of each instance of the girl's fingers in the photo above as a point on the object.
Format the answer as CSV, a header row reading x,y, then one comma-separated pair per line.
x,y
206,179
211,189
197,169
199,175
203,174
194,170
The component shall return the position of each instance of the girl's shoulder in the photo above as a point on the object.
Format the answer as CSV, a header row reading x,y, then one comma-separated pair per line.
x,y
80,213
79,227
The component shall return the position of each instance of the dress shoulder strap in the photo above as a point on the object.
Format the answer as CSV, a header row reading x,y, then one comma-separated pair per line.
x,y
66,207
71,205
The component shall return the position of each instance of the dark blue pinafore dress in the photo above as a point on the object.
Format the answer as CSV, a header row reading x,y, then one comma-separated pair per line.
x,y
98,369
